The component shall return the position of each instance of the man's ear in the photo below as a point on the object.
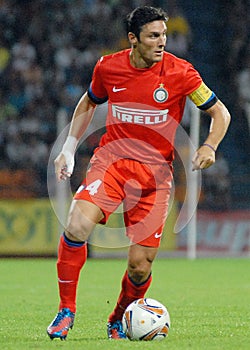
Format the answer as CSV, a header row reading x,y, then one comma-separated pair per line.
x,y
132,39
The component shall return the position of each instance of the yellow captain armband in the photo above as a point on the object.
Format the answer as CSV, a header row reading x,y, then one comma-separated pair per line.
x,y
203,97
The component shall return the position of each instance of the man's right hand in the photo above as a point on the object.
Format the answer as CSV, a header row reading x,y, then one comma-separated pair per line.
x,y
64,165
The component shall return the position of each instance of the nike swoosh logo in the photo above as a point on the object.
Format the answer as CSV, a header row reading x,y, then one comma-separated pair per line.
x,y
64,281
115,89
158,235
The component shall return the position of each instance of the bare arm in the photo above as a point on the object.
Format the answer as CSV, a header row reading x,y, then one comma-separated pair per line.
x,y
82,116
204,157
83,113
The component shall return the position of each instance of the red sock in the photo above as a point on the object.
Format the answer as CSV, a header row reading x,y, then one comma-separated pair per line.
x,y
130,292
71,258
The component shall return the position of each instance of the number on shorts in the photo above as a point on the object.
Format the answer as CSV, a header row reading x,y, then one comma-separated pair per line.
x,y
93,187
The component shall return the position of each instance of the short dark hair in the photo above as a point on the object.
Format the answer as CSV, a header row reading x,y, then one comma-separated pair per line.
x,y
143,15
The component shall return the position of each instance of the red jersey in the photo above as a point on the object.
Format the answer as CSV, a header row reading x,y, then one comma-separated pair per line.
x,y
145,106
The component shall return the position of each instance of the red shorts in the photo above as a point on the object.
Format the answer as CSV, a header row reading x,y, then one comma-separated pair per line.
x,y
143,189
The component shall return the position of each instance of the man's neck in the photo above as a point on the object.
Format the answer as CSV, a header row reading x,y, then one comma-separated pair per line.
x,y
138,62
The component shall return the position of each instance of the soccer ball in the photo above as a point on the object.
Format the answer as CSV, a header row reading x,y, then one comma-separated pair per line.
x,y
146,319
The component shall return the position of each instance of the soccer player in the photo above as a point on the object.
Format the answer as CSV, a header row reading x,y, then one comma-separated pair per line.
x,y
146,89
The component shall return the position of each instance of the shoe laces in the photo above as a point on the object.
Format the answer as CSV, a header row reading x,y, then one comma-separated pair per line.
x,y
61,315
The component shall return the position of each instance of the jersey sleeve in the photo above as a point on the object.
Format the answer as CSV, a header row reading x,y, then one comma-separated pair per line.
x,y
96,91
198,92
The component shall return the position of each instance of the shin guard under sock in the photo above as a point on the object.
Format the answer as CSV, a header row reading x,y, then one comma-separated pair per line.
x,y
71,258
130,292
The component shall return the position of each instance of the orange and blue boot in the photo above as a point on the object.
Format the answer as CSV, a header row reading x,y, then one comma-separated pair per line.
x,y
115,330
61,324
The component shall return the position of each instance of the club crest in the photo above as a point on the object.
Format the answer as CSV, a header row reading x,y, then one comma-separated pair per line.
x,y
160,94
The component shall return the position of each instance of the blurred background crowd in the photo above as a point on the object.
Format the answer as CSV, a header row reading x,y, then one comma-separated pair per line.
x,y
49,48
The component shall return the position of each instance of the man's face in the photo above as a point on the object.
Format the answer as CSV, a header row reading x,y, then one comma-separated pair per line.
x,y
152,42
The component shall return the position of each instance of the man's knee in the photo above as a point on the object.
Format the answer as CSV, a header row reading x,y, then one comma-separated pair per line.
x,y
79,227
82,219
140,261
139,271
77,231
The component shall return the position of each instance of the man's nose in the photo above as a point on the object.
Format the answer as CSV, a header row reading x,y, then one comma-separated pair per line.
x,y
162,40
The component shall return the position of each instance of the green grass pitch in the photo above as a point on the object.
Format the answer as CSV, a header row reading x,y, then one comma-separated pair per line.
x,y
208,301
